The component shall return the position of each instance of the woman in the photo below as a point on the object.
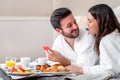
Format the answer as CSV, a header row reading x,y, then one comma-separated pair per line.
x,y
103,23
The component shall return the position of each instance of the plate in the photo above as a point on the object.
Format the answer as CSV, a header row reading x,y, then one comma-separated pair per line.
x,y
51,74
55,73
21,74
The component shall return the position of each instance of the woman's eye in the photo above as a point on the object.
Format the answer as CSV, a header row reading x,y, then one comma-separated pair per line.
x,y
89,21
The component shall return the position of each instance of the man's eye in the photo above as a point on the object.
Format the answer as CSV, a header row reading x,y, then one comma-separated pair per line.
x,y
69,25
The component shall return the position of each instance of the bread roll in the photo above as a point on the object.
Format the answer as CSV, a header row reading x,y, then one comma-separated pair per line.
x,y
56,65
38,67
44,67
61,69
53,68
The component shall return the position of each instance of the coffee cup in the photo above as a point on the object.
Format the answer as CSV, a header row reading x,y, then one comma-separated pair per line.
x,y
41,60
25,61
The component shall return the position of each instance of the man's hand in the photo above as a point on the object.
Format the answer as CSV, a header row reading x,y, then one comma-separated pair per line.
x,y
55,56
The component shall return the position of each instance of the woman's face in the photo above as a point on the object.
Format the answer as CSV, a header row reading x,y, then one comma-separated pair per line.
x,y
92,24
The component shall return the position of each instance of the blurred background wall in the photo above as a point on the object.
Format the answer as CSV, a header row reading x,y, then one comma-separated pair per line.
x,y
25,25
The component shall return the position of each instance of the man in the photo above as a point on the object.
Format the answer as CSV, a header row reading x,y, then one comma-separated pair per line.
x,y
71,41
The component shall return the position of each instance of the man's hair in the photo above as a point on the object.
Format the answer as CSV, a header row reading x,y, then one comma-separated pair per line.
x,y
58,15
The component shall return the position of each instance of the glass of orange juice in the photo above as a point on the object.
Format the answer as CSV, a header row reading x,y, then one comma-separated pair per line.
x,y
10,61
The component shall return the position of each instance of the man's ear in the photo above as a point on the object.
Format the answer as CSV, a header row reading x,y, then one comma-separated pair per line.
x,y
59,31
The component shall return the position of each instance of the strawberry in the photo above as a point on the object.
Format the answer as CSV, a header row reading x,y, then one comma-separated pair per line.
x,y
13,69
20,68
46,48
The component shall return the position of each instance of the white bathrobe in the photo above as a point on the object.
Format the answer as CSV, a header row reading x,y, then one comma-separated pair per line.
x,y
109,55
83,46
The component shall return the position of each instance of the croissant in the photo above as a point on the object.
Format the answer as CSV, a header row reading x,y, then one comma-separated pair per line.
x,y
53,68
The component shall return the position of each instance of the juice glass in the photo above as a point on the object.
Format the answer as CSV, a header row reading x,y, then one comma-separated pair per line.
x,y
10,61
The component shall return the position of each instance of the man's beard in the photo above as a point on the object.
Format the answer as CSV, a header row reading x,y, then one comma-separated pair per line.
x,y
71,35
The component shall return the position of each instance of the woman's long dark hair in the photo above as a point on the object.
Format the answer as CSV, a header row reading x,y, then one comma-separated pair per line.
x,y
106,20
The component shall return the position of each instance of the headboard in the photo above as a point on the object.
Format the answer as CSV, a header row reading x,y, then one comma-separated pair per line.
x,y
24,36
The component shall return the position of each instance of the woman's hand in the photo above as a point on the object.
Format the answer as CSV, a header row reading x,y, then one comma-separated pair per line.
x,y
74,69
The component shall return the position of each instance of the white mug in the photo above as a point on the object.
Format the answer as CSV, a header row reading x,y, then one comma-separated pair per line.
x,y
41,60
25,61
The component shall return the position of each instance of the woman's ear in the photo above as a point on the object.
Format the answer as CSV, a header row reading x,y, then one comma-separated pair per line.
x,y
59,31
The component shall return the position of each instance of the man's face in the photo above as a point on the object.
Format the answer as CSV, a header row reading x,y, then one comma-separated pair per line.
x,y
69,27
